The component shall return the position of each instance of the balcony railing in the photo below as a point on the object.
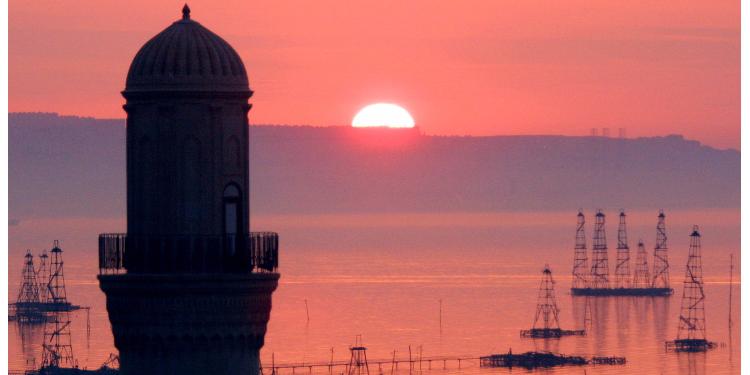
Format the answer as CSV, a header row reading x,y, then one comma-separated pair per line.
x,y
258,252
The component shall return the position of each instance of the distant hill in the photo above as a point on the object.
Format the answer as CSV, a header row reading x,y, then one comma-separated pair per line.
x,y
72,166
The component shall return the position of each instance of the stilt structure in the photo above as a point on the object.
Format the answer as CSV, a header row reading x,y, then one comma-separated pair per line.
x,y
661,260
622,269
546,320
599,258
691,333
43,276
641,277
58,350
358,361
581,260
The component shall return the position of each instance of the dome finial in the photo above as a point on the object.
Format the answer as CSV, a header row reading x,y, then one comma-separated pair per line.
x,y
186,12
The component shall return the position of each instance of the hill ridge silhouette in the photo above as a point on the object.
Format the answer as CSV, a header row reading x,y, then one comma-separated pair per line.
x,y
74,166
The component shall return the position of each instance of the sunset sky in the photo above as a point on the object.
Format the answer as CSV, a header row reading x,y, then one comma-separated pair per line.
x,y
459,67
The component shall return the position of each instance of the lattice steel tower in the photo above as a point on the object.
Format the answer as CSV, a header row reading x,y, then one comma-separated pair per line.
x,y
661,262
641,277
622,269
691,333
56,286
42,277
29,292
581,260
599,259
546,306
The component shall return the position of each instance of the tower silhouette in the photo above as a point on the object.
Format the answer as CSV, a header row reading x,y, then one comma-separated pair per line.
x,y
661,260
622,268
189,286
546,307
43,276
56,283
691,333
599,258
358,360
641,276
546,318
580,260
28,294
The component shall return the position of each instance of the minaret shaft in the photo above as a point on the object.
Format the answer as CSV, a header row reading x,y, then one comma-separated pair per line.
x,y
189,286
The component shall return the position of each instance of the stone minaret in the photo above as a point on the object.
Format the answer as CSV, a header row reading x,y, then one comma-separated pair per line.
x,y
188,287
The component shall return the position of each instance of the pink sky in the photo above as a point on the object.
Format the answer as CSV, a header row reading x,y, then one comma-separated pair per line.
x,y
460,67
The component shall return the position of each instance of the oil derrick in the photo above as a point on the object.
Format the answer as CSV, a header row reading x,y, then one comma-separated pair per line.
x,y
29,292
599,260
358,361
546,306
58,351
661,262
622,269
56,285
641,277
546,320
581,260
691,333
42,277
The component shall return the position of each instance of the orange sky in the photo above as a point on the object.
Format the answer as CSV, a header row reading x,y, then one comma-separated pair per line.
x,y
460,67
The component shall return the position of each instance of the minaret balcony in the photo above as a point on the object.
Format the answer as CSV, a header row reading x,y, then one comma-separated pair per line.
x,y
257,252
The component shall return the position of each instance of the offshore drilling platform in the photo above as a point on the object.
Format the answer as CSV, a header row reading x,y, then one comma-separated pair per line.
x,y
42,292
691,332
547,319
595,281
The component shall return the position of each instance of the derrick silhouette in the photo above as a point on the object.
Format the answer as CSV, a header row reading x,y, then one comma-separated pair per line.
x,y
691,333
42,293
596,282
547,320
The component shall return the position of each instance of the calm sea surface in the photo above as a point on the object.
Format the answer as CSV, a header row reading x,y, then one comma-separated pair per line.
x,y
385,277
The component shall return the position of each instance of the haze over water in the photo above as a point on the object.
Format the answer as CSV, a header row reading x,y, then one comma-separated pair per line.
x,y
383,275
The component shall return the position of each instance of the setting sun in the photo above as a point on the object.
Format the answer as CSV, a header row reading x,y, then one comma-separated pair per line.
x,y
383,114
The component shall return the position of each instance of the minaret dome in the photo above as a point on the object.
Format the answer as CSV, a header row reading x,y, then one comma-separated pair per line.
x,y
186,56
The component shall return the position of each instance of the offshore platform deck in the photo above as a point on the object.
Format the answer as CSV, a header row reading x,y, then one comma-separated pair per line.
x,y
595,281
689,345
550,333
605,292
532,360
